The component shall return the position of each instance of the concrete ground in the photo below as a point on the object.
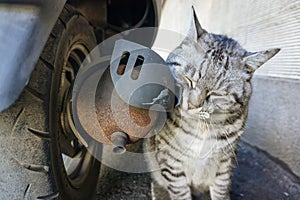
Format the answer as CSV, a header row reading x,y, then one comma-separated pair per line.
x,y
257,176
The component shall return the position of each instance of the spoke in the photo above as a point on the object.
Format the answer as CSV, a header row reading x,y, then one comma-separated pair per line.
x,y
86,163
72,164
78,165
76,60
67,147
67,77
70,74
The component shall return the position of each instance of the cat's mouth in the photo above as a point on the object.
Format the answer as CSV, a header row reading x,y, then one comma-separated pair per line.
x,y
198,113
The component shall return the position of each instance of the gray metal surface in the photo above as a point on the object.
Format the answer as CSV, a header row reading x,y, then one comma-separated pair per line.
x,y
154,76
24,28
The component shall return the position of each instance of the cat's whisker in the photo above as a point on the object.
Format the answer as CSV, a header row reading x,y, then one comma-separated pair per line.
x,y
214,138
231,147
195,111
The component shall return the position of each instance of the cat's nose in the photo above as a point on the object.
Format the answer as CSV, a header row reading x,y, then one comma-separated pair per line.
x,y
195,99
191,106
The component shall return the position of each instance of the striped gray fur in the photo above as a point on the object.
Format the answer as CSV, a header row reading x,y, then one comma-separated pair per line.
x,y
196,149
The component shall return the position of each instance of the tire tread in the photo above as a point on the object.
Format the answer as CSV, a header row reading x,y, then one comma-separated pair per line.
x,y
24,131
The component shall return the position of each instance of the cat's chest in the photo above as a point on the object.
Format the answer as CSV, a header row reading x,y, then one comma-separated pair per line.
x,y
200,173
198,147
203,154
197,140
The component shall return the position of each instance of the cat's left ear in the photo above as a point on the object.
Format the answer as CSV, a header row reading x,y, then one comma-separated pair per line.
x,y
254,60
195,30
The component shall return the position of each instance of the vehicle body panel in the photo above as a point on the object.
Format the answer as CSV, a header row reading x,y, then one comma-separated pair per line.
x,y
25,26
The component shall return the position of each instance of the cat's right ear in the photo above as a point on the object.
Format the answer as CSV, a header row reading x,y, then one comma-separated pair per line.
x,y
195,30
254,60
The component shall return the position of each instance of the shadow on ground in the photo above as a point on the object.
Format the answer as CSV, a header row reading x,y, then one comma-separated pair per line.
x,y
255,177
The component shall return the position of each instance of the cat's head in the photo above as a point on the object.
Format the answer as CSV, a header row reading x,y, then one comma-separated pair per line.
x,y
214,72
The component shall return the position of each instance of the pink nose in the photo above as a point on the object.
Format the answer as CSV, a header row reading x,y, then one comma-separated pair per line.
x,y
191,106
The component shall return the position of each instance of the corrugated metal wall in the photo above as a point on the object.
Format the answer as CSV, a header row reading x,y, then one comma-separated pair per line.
x,y
258,25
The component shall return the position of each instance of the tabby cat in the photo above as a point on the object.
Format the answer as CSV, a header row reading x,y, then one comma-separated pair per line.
x,y
195,150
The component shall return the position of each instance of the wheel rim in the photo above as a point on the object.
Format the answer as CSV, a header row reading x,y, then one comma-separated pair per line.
x,y
77,161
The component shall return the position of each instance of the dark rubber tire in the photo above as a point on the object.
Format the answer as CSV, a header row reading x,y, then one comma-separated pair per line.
x,y
31,164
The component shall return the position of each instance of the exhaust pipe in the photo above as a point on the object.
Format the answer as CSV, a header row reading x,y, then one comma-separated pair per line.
x,y
119,140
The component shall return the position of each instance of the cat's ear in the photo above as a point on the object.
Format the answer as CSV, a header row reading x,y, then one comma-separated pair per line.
x,y
195,30
254,60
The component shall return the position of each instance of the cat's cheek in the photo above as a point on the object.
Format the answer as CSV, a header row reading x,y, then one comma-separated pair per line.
x,y
225,106
209,107
174,72
185,99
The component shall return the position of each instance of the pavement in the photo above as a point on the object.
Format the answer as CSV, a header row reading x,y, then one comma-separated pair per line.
x,y
256,176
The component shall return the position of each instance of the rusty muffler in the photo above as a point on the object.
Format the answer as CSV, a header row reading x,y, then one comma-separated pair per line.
x,y
118,101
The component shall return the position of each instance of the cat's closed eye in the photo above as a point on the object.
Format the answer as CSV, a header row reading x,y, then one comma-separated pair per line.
x,y
214,94
218,96
174,63
223,102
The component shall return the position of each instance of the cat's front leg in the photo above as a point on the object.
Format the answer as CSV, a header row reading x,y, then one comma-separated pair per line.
x,y
219,190
179,192
176,184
